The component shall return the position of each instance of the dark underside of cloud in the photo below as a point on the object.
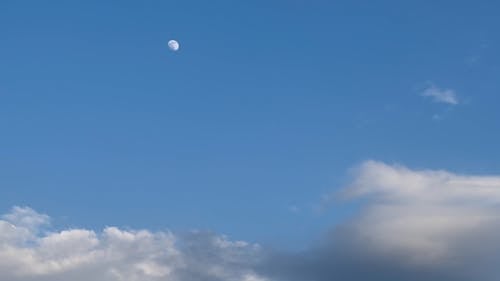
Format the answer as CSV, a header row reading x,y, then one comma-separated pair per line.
x,y
347,260
413,226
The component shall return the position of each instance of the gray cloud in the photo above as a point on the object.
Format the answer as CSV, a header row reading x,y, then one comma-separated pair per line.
x,y
414,225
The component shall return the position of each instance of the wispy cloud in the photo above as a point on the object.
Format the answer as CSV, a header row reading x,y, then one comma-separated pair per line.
x,y
439,95
294,209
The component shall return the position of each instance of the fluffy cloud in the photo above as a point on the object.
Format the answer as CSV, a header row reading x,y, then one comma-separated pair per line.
x,y
26,253
412,225
423,213
447,96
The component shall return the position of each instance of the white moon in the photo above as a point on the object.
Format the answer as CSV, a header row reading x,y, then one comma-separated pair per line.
x,y
173,45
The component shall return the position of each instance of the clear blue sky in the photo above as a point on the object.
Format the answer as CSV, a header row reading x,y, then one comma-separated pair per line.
x,y
264,109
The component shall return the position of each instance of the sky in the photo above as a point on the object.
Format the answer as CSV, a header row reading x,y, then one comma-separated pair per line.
x,y
281,137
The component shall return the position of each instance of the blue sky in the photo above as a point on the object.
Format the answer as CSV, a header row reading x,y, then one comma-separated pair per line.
x,y
261,113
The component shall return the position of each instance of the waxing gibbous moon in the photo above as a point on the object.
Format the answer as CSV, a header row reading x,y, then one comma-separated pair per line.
x,y
173,45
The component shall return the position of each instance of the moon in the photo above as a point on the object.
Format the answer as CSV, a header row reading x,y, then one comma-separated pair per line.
x,y
173,45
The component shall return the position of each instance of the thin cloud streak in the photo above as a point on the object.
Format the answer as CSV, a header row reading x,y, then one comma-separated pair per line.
x,y
439,95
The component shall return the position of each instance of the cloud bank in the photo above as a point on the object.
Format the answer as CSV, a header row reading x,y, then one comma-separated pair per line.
x,y
413,225
29,253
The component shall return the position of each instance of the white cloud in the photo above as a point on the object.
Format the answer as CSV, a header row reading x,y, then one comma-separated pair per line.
x,y
413,225
26,218
447,96
422,213
117,254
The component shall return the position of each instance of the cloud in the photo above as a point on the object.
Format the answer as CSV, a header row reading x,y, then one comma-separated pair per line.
x,y
117,254
421,212
26,218
413,225
446,96
294,209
